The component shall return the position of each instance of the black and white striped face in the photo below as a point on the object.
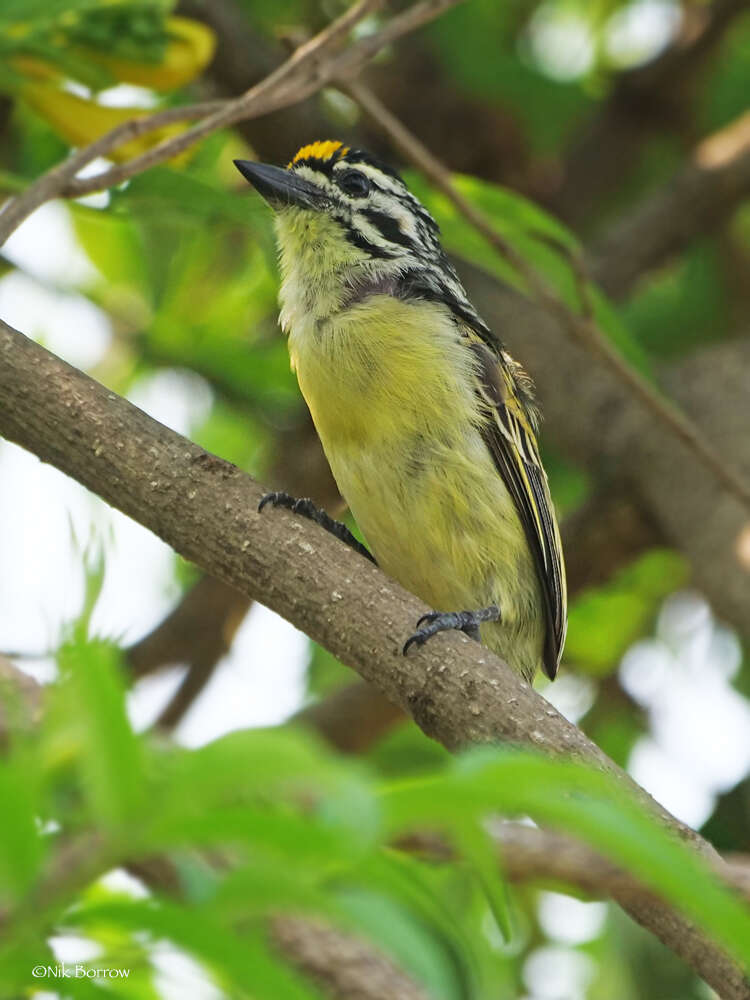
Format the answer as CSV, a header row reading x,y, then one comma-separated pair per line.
x,y
342,212
377,213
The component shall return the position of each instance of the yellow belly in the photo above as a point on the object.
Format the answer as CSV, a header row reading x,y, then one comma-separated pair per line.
x,y
390,388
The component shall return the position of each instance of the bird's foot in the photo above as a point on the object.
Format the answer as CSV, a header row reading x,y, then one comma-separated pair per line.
x,y
307,509
443,621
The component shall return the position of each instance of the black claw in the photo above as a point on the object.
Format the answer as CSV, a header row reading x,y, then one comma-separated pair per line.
x,y
444,621
418,639
306,508
431,616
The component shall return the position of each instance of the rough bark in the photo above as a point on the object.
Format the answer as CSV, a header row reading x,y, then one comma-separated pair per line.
x,y
344,966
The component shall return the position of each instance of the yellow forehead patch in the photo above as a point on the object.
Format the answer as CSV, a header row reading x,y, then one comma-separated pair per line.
x,y
320,151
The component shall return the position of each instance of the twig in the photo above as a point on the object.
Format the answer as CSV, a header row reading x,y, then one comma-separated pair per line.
x,y
311,67
54,182
582,328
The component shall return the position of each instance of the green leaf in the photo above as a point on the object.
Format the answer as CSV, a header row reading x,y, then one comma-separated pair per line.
x,y
602,623
259,762
27,11
684,305
178,190
260,888
417,942
109,757
299,843
224,793
113,244
21,845
481,854
590,805
407,750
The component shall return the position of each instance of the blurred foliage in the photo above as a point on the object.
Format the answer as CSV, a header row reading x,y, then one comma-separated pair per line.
x,y
268,820
183,269
94,46
604,622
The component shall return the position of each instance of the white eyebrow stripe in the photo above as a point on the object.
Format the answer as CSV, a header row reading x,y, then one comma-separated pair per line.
x,y
314,176
393,206
389,198
384,181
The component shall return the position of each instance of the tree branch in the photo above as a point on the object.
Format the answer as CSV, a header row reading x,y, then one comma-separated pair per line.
x,y
649,99
697,200
532,854
309,68
344,966
206,509
582,328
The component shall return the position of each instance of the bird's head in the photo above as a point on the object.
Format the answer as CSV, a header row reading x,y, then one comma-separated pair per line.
x,y
347,225
340,208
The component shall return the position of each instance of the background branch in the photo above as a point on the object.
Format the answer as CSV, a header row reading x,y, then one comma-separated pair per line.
x,y
655,98
695,202
583,328
345,967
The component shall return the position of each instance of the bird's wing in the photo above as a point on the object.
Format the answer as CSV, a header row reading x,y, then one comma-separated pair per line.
x,y
509,434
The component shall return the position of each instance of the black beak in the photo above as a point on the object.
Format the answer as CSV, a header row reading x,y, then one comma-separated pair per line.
x,y
278,186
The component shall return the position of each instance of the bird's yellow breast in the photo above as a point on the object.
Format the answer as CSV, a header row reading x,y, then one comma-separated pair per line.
x,y
383,370
390,386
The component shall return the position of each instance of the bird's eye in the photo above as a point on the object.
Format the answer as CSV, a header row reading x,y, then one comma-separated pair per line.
x,y
354,183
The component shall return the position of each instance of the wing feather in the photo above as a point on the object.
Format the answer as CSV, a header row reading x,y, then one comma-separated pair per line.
x,y
509,435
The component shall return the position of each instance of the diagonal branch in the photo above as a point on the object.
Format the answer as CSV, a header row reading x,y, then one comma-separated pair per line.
x,y
581,328
206,509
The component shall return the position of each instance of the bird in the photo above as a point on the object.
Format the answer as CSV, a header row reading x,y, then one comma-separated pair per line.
x,y
427,422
